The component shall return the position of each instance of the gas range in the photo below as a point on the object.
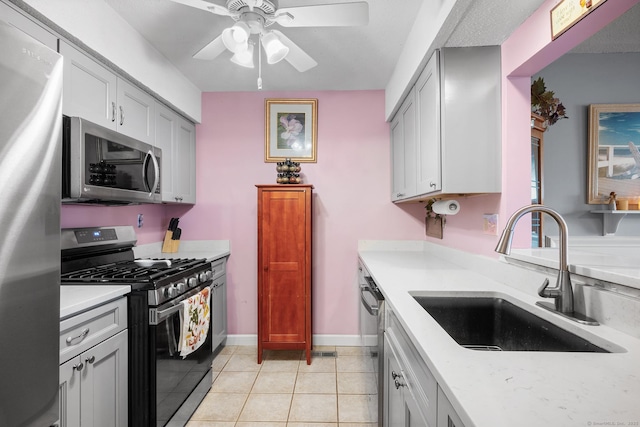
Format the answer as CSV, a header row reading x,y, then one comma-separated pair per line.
x,y
160,293
104,256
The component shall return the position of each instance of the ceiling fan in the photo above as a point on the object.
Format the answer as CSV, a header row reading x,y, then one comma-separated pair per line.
x,y
254,16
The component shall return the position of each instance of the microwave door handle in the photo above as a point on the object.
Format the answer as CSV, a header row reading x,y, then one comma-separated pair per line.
x,y
156,172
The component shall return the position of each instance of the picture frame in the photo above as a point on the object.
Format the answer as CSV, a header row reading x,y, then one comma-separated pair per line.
x,y
291,129
614,156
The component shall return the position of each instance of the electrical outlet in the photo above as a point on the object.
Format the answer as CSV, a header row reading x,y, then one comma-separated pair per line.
x,y
490,224
140,220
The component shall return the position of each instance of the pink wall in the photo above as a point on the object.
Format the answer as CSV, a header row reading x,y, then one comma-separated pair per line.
x,y
155,219
351,196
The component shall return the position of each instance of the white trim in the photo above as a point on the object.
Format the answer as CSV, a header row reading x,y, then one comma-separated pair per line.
x,y
335,340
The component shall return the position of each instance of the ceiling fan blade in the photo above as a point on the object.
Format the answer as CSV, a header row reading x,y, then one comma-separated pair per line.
x,y
205,5
324,15
212,50
297,57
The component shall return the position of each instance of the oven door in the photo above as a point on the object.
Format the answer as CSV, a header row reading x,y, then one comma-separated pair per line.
x,y
174,377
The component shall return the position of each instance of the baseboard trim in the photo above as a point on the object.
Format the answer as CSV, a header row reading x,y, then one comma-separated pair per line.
x,y
329,340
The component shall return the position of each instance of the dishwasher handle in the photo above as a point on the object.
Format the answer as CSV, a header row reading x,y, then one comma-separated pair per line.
x,y
372,309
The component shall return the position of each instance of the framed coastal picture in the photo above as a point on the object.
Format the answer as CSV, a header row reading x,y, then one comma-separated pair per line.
x,y
614,152
291,128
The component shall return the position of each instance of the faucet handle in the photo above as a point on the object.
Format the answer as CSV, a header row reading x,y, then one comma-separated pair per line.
x,y
548,293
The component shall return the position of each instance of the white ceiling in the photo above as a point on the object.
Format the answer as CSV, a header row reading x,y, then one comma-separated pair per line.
x,y
349,58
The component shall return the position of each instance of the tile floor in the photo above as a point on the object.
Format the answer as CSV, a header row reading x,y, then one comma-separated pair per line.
x,y
286,392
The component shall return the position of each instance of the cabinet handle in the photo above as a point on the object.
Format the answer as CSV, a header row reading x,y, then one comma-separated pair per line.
x,y
398,384
78,366
90,359
394,375
432,184
83,334
400,195
121,115
113,111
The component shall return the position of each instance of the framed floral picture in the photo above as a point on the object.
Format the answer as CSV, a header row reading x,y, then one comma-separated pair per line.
x,y
291,128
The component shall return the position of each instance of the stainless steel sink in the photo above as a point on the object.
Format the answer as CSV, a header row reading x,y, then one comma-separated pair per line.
x,y
493,323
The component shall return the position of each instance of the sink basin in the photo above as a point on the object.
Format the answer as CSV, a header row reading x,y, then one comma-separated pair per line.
x,y
493,323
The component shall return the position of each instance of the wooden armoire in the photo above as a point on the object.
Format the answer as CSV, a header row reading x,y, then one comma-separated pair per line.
x,y
284,268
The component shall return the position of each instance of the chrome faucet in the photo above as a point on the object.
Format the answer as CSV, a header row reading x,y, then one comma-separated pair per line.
x,y
563,291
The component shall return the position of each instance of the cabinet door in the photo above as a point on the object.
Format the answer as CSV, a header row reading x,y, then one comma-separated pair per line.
x,y
23,23
136,112
69,393
428,111
89,88
283,232
184,156
176,137
166,123
394,410
219,326
104,384
447,416
403,150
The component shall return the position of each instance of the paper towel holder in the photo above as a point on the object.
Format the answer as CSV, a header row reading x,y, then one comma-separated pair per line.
x,y
443,207
436,219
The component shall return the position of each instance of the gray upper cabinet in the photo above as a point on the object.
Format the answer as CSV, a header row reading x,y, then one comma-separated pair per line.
x,y
427,89
97,94
11,16
403,148
457,135
177,138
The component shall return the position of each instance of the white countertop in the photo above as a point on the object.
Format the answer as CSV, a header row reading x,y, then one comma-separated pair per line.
x,y
209,249
602,258
76,299
494,389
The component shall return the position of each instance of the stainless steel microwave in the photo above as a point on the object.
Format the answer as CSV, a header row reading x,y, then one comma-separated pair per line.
x,y
102,166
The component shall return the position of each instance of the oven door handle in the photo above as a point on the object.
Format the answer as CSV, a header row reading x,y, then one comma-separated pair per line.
x,y
373,310
158,316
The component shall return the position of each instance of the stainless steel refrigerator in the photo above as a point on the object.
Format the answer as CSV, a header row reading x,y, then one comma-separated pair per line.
x,y
30,162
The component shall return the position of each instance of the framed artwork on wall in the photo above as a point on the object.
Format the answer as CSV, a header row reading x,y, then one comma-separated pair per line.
x,y
614,155
291,128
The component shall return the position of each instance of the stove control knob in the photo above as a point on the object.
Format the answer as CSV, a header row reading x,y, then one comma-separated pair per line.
x,y
202,277
181,286
170,291
192,282
209,274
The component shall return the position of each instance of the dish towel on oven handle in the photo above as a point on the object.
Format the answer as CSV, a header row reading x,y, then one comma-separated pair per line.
x,y
194,321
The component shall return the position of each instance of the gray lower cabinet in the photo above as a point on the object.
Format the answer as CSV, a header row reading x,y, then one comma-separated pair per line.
x,y
219,303
447,416
93,369
402,408
412,397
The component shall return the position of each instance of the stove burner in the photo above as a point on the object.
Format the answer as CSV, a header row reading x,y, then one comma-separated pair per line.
x,y
127,271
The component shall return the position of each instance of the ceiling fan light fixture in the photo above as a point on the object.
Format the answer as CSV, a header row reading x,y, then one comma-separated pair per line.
x,y
273,48
235,38
244,57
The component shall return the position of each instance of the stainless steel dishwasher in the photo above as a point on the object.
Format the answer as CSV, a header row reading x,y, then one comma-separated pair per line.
x,y
372,328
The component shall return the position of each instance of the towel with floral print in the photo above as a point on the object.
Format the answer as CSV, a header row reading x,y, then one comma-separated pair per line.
x,y
194,318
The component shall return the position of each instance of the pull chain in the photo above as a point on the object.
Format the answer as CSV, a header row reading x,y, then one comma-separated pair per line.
x,y
260,62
